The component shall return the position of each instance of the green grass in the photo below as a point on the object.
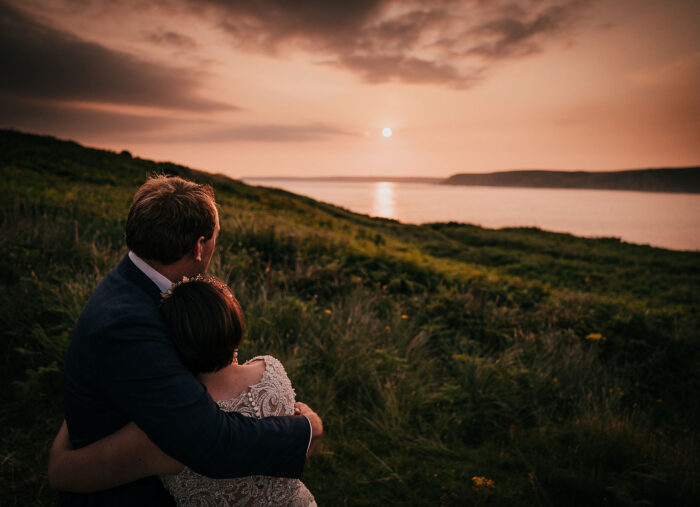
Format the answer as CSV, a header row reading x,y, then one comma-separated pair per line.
x,y
434,353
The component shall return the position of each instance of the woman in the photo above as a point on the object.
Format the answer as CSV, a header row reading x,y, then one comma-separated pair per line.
x,y
207,326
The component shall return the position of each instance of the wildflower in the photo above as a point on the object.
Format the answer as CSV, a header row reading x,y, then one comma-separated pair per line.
x,y
327,311
482,484
596,337
388,328
404,316
246,342
555,380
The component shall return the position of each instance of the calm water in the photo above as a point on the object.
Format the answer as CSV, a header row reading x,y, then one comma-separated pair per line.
x,y
658,219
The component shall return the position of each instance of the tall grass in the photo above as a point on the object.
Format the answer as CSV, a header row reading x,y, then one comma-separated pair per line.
x,y
564,370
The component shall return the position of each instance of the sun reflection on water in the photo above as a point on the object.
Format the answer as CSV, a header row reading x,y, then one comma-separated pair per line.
x,y
383,205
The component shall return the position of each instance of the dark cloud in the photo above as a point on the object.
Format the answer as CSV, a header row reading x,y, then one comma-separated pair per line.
x,y
379,69
263,133
401,32
174,39
517,36
40,62
90,124
417,42
85,123
440,41
59,119
271,22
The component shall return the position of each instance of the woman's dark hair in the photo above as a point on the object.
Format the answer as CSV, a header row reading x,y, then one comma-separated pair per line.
x,y
206,323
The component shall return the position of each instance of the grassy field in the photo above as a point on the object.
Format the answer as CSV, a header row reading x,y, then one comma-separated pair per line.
x,y
451,364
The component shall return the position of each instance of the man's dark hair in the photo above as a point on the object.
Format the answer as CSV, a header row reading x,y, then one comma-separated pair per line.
x,y
167,216
205,321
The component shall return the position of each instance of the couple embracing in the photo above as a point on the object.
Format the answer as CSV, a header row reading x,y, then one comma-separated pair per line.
x,y
158,410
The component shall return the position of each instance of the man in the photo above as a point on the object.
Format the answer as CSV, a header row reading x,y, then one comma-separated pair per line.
x,y
121,365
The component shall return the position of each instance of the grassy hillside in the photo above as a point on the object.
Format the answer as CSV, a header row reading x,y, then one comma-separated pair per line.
x,y
441,357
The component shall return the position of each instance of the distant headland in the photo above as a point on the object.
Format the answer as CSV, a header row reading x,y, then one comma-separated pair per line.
x,y
678,180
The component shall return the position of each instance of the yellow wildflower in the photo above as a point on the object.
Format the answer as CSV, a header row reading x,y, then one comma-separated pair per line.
x,y
596,337
482,484
404,316
388,328
327,311
555,380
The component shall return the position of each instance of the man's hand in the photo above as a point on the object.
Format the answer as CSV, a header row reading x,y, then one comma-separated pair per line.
x,y
316,423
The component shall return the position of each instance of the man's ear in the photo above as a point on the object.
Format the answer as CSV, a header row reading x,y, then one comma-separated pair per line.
x,y
198,247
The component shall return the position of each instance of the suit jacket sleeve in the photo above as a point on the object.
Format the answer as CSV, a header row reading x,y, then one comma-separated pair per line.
x,y
145,378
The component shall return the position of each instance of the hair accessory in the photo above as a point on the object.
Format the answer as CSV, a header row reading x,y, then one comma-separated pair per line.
x,y
218,284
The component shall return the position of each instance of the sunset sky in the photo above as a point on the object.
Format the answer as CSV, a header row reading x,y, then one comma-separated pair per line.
x,y
304,88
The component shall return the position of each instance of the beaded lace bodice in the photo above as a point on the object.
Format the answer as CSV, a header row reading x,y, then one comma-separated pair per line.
x,y
272,395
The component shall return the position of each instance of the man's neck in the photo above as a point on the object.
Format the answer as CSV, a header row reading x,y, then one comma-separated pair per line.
x,y
162,275
171,272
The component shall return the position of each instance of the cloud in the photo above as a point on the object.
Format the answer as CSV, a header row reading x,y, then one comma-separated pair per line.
x,y
90,124
262,133
449,42
175,39
268,23
43,63
60,119
379,69
85,123
509,36
411,41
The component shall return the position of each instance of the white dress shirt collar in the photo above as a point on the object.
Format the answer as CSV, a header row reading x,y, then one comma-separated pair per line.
x,y
163,283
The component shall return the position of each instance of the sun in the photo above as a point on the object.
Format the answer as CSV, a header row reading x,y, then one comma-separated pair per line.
x,y
386,132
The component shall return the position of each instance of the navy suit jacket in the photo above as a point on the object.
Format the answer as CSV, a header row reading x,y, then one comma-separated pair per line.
x,y
122,366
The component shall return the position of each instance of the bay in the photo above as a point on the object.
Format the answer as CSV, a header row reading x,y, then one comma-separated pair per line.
x,y
659,219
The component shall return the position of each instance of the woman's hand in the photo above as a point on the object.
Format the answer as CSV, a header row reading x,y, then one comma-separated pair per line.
x,y
316,424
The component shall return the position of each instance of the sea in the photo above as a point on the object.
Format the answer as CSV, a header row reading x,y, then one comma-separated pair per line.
x,y
667,220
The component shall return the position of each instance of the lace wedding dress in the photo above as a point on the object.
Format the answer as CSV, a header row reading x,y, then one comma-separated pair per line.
x,y
273,395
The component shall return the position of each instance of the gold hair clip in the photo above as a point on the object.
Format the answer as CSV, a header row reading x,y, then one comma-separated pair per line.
x,y
199,278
